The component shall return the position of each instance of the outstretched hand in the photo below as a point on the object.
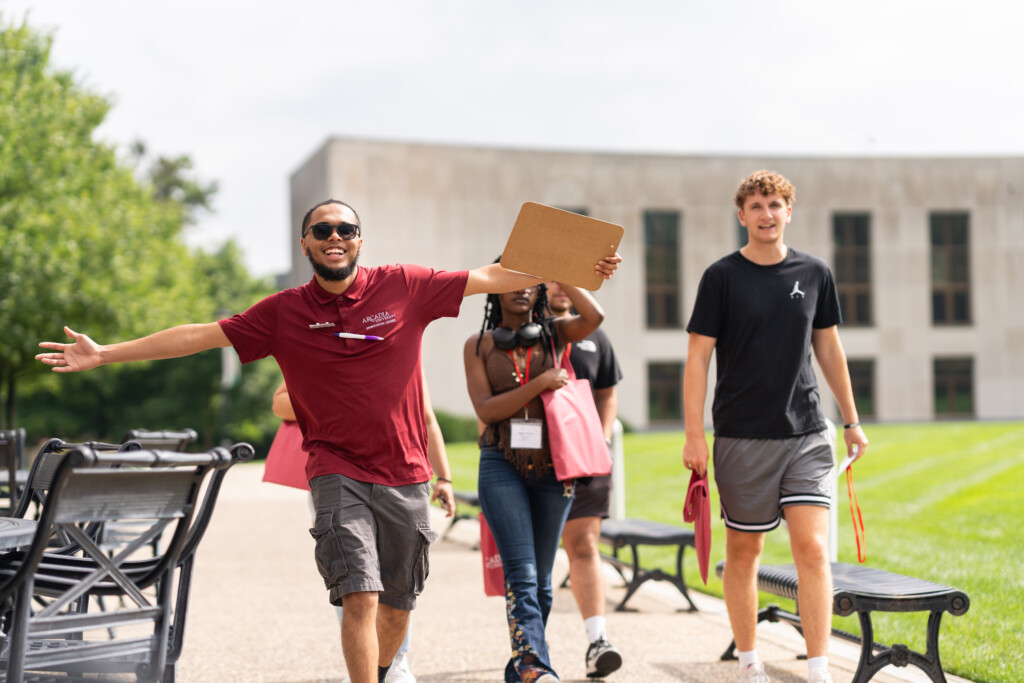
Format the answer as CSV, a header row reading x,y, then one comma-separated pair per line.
x,y
83,354
606,266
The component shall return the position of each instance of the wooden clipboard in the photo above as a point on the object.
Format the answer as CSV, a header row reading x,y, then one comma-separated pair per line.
x,y
558,245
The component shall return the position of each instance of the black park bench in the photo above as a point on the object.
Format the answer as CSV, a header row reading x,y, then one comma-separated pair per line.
x,y
865,590
463,499
633,533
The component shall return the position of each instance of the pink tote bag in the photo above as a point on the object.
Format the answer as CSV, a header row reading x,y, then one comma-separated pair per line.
x,y
575,435
286,461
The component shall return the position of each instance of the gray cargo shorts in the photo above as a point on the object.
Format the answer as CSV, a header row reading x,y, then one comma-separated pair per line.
x,y
371,537
758,478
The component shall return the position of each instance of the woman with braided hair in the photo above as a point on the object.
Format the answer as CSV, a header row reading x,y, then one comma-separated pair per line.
x,y
508,365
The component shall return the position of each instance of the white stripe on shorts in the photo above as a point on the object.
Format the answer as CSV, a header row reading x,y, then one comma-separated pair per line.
x,y
807,499
748,527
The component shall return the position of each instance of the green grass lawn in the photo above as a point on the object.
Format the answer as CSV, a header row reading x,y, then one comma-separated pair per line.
x,y
941,501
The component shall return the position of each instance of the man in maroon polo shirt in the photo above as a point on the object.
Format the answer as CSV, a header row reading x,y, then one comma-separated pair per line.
x,y
359,402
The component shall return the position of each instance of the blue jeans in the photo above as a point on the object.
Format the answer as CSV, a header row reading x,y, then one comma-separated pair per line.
x,y
526,516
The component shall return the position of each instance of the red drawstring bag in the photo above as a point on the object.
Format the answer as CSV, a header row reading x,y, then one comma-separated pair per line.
x,y
697,509
494,573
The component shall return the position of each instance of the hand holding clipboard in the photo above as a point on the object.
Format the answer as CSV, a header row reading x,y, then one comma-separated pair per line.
x,y
561,246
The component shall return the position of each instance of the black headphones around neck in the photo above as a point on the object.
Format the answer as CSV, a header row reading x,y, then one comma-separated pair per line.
x,y
527,335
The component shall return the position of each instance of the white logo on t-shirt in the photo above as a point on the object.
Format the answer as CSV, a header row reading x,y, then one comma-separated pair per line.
x,y
796,293
586,345
378,319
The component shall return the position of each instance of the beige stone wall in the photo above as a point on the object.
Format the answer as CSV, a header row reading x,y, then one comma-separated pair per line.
x,y
452,207
309,185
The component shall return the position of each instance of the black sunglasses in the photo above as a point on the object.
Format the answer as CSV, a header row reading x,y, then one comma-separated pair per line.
x,y
323,231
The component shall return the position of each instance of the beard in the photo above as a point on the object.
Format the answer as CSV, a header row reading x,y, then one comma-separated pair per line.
x,y
558,309
332,274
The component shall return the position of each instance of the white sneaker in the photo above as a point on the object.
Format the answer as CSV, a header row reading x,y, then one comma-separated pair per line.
x,y
819,676
754,673
399,671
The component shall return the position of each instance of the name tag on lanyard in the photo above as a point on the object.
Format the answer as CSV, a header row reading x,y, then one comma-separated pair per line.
x,y
525,433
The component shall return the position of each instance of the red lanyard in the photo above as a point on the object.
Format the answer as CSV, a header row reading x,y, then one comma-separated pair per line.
x,y
512,355
858,531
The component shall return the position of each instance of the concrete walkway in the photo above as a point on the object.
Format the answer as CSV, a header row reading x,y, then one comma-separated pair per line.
x,y
259,612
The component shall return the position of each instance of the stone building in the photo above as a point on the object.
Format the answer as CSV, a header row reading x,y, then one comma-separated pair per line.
x,y
928,255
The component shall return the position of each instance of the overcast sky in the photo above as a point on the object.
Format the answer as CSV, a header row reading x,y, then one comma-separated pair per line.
x,y
249,90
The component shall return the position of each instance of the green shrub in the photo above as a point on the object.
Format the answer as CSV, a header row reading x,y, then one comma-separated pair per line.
x,y
455,428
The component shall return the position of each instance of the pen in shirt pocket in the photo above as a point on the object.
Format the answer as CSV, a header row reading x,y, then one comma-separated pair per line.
x,y
349,335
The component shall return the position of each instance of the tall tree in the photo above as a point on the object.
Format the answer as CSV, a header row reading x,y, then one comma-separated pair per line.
x,y
170,394
170,181
82,241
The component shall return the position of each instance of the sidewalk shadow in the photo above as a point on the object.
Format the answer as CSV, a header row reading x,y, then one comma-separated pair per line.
x,y
711,672
467,676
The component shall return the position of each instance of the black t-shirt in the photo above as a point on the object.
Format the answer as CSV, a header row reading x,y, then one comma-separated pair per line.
x,y
593,358
762,318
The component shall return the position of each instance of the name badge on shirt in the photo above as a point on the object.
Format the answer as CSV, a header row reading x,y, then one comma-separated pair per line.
x,y
526,433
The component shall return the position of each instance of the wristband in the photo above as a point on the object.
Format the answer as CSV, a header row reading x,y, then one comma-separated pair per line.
x,y
440,479
851,425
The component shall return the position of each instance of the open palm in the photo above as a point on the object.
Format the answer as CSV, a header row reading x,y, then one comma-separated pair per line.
x,y
83,354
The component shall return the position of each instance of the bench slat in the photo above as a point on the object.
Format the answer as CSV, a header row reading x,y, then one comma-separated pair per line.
x,y
627,531
855,586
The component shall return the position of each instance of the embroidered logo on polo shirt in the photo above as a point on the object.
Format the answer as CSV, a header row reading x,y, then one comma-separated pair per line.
x,y
378,319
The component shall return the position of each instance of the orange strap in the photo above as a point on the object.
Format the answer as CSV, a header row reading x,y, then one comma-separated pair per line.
x,y
858,520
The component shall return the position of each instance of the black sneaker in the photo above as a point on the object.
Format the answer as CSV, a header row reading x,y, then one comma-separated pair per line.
x,y
602,659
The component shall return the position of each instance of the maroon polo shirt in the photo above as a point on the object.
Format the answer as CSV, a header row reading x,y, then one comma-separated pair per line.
x,y
359,403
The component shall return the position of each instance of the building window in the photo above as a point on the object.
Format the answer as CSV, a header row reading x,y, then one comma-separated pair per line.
x,y
665,392
661,253
851,254
574,209
951,275
862,380
954,387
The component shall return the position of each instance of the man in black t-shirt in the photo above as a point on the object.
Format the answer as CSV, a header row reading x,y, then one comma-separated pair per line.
x,y
763,310
592,359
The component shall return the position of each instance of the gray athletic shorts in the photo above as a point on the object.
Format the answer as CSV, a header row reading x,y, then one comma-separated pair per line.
x,y
371,537
758,478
